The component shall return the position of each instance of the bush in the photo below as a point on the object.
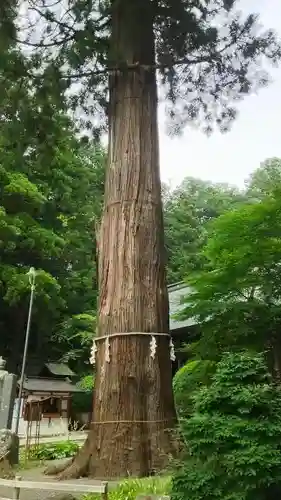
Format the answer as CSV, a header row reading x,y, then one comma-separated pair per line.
x,y
53,451
233,435
86,383
130,488
189,379
82,401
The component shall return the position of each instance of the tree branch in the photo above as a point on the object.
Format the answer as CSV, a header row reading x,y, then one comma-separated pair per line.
x,y
41,45
54,20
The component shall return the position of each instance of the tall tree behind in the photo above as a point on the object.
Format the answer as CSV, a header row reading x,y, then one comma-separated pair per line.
x,y
46,221
236,297
47,211
204,69
265,180
187,212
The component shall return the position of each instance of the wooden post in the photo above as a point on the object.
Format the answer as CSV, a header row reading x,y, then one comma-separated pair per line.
x,y
105,493
17,489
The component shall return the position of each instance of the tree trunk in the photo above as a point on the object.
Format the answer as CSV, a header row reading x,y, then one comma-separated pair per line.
x,y
273,349
133,400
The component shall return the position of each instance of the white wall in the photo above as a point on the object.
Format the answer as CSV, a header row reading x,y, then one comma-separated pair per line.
x,y
48,426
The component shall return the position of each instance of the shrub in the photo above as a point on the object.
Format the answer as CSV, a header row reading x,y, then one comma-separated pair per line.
x,y
86,383
233,435
130,488
82,401
53,451
189,379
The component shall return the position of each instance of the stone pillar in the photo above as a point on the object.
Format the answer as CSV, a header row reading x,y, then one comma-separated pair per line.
x,y
8,389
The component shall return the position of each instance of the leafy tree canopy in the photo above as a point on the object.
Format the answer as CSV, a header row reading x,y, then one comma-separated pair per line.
x,y
208,54
266,180
187,211
51,188
237,295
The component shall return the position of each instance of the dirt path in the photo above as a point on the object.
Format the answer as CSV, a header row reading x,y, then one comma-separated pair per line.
x,y
38,475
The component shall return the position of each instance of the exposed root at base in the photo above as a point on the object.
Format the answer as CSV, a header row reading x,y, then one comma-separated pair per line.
x,y
87,462
53,470
74,470
77,467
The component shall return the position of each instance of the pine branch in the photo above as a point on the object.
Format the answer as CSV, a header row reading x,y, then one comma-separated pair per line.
x,y
58,22
115,70
41,45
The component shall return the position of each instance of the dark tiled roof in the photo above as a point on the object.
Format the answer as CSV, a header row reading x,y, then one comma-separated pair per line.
x,y
60,369
38,384
176,294
33,368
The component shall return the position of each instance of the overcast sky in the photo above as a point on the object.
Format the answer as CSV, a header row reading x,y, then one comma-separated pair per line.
x,y
255,136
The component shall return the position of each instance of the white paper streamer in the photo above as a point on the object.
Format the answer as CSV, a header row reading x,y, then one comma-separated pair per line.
x,y
172,351
102,378
107,351
153,346
93,353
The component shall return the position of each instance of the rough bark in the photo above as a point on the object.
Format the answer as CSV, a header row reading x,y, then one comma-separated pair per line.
x,y
133,401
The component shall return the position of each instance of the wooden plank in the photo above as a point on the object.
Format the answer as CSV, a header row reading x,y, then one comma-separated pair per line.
x,y
17,489
55,486
104,495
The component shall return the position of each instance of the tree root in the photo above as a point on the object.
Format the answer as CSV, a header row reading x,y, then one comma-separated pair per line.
x,y
54,470
87,462
74,468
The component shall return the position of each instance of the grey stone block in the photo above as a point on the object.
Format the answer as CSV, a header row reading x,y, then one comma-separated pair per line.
x,y
9,445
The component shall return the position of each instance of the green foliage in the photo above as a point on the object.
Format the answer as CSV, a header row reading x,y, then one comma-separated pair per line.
x,y
54,451
82,401
51,191
233,435
236,297
187,211
130,488
76,336
266,180
188,379
57,239
52,183
205,66
87,383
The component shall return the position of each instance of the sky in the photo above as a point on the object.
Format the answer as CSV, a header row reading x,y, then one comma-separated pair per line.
x,y
254,137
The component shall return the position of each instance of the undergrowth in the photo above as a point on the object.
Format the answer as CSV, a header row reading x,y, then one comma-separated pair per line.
x,y
129,489
49,451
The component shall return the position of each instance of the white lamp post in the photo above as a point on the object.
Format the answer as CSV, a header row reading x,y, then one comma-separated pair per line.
x,y
32,276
